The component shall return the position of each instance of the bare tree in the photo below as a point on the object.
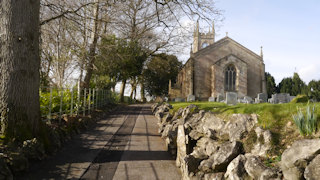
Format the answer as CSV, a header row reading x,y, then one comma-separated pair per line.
x,y
19,68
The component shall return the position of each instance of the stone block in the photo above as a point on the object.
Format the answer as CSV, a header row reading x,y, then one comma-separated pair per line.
x,y
211,99
263,97
247,100
220,98
281,98
231,98
178,99
191,98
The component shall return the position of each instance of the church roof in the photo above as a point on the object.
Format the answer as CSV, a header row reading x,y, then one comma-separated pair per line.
x,y
220,42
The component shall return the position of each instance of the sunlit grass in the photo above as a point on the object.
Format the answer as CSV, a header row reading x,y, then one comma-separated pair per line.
x,y
274,117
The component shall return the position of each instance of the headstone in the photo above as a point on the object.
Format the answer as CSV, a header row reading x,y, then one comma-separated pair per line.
x,y
257,101
178,99
220,98
231,98
211,99
247,100
281,98
263,97
191,98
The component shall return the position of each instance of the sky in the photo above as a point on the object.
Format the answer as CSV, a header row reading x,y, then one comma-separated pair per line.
x,y
288,30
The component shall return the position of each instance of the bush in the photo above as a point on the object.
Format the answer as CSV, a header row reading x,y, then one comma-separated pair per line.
x,y
306,123
300,99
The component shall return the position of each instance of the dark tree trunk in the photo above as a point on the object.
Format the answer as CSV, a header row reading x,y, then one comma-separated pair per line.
x,y
143,98
123,87
19,68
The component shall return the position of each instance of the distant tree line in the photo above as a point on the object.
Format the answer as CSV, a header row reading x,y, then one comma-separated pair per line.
x,y
294,86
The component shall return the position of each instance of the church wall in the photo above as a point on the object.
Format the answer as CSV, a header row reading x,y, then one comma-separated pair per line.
x,y
184,82
249,83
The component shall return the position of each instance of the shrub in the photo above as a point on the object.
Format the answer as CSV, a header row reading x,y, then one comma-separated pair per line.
x,y
300,99
306,123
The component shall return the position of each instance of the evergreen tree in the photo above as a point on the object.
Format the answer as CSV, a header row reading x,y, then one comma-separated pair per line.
x,y
298,86
160,69
314,90
271,85
285,86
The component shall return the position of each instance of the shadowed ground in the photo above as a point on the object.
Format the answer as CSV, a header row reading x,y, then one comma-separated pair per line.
x,y
125,145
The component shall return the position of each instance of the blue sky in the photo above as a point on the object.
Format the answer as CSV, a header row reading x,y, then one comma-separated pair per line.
x,y
289,32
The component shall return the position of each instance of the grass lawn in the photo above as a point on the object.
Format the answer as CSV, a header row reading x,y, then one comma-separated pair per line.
x,y
274,117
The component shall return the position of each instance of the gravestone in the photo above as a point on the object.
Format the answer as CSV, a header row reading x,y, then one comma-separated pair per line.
x,y
231,98
262,97
211,99
247,100
178,99
191,98
220,98
280,98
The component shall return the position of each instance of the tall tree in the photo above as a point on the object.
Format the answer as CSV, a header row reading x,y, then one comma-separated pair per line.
x,y
271,85
298,86
160,69
314,90
285,86
19,68
120,59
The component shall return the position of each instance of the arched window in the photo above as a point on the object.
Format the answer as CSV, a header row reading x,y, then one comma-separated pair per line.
x,y
204,45
230,78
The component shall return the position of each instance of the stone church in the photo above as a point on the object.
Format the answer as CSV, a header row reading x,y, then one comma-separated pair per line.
x,y
217,67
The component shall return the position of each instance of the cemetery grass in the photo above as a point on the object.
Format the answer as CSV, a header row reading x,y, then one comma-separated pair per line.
x,y
275,117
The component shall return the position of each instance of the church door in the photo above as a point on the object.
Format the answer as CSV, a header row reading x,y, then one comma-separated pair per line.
x,y
230,78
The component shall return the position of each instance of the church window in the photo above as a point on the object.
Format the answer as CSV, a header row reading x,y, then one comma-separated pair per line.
x,y
230,78
204,45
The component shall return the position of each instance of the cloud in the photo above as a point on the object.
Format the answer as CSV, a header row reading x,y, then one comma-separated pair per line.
x,y
310,72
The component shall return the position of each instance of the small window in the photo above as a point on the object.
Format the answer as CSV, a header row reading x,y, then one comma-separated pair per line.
x,y
230,78
204,45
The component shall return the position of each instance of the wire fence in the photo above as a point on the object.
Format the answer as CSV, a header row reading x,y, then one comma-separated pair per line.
x,y
57,102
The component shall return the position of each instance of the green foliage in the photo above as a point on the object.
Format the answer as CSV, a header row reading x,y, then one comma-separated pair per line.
x,y
293,86
120,59
272,162
67,95
298,87
271,85
102,82
160,69
306,123
314,90
300,99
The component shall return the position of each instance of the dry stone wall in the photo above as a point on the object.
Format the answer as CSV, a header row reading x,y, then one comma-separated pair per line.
x,y
208,147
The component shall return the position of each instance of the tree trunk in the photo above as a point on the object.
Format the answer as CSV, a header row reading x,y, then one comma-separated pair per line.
x,y
123,86
93,46
133,87
19,68
143,98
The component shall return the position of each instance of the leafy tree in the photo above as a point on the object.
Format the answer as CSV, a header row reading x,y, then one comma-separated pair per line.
x,y
120,59
314,90
271,85
160,69
19,69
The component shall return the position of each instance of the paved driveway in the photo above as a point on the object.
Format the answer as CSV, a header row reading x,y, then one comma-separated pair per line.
x,y
125,145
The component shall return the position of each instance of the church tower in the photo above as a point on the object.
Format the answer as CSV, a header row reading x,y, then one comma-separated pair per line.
x,y
202,40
